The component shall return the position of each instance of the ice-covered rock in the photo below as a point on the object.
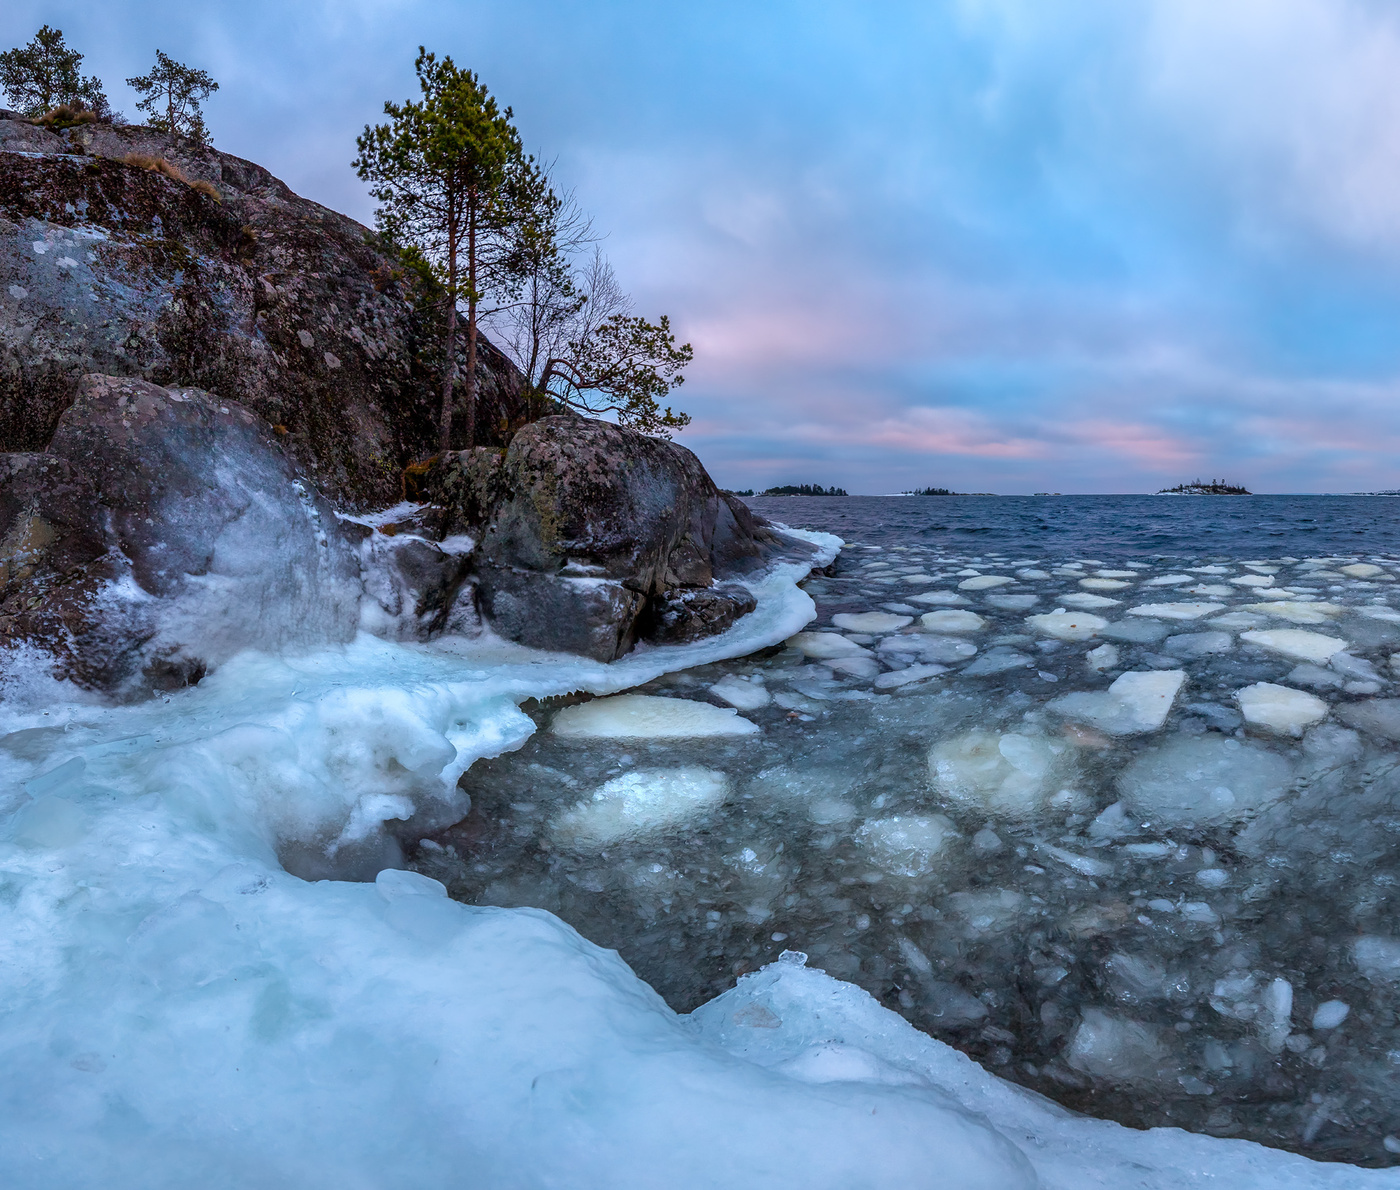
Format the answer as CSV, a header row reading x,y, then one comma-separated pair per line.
x,y
1176,611
1136,702
1280,708
1197,780
743,695
648,717
1066,625
820,646
952,621
638,803
1295,643
1008,775
876,622
907,845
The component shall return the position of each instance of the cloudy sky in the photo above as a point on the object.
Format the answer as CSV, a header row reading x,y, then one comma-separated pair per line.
x,y
994,245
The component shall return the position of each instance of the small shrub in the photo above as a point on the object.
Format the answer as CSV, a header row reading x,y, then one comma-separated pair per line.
x,y
159,165
65,115
207,189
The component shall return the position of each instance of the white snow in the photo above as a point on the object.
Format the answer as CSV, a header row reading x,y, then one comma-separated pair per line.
x,y
648,717
1136,702
1295,643
641,802
1280,708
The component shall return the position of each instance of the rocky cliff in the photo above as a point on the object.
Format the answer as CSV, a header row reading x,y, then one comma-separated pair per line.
x,y
132,253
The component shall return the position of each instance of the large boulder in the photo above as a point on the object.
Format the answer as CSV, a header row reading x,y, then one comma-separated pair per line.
x,y
163,531
592,537
131,252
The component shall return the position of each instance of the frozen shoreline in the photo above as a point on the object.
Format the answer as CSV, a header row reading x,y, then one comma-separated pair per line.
x,y
179,1010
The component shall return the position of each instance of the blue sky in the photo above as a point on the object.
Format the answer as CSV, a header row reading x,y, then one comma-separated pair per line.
x,y
994,245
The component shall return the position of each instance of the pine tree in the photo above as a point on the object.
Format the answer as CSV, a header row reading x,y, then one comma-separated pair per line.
x,y
173,94
46,74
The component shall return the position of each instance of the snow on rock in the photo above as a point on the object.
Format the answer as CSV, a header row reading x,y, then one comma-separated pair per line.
x,y
1066,625
952,621
1193,780
1280,708
648,717
870,621
821,646
1136,702
1176,611
641,802
907,845
1009,775
983,582
1295,643
744,695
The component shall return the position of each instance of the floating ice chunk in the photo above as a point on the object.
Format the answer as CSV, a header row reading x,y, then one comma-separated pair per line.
x,y
642,802
1213,877
1168,580
1330,1013
647,716
870,621
1176,611
1280,708
1212,569
1085,865
1377,958
854,667
1115,1049
823,645
1355,667
1191,645
903,677
1013,603
1253,580
1203,779
952,621
1315,676
1116,573
1066,625
1138,632
907,845
1033,574
1102,658
1112,823
827,811
983,582
986,841
1210,590
1102,584
902,609
946,598
1295,643
1380,613
1297,611
1136,702
996,661
1378,716
746,696
1008,775
1083,601
1275,1022
1361,570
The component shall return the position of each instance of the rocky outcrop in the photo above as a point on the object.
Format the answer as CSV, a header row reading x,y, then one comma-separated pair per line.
x,y
591,537
238,287
162,531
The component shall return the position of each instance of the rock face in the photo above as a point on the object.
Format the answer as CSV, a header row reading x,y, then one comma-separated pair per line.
x,y
592,537
267,299
163,531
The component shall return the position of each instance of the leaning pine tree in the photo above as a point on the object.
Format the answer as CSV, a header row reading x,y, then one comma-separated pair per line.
x,y
441,169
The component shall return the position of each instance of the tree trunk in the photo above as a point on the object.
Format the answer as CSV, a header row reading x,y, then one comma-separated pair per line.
x,y
450,364
471,321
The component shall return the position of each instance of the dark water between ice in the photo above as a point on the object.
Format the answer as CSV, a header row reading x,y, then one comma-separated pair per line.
x,y
1107,527
1192,920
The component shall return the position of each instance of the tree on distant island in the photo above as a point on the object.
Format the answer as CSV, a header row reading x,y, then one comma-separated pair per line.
x,y
46,74
1215,487
804,489
172,97
442,170
930,492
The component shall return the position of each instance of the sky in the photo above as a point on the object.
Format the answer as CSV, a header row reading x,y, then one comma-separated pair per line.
x,y
989,245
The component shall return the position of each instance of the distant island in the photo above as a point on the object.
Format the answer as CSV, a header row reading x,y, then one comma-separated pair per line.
x,y
931,492
797,489
1216,487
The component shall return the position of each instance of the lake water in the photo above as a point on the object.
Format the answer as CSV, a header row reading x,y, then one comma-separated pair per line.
x,y
1104,791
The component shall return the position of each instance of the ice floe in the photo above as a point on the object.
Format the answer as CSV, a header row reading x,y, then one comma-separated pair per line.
x,y
1135,703
1280,708
1296,643
640,802
952,621
648,717
1191,780
1009,775
1067,625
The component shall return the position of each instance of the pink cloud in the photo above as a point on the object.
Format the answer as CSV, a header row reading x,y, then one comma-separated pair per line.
x,y
1143,443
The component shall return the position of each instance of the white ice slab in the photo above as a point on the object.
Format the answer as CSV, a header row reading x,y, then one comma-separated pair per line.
x,y
1103,584
952,621
1193,780
643,802
907,845
1280,708
1135,703
1176,611
946,598
1010,775
1361,570
1295,643
741,694
648,717
1298,612
870,621
822,645
903,677
983,582
1083,601
1066,625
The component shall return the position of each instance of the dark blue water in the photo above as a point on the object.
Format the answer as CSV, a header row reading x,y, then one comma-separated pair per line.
x,y
1105,527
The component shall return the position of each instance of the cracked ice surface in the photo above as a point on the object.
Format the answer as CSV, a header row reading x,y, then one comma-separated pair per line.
x,y
1142,859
